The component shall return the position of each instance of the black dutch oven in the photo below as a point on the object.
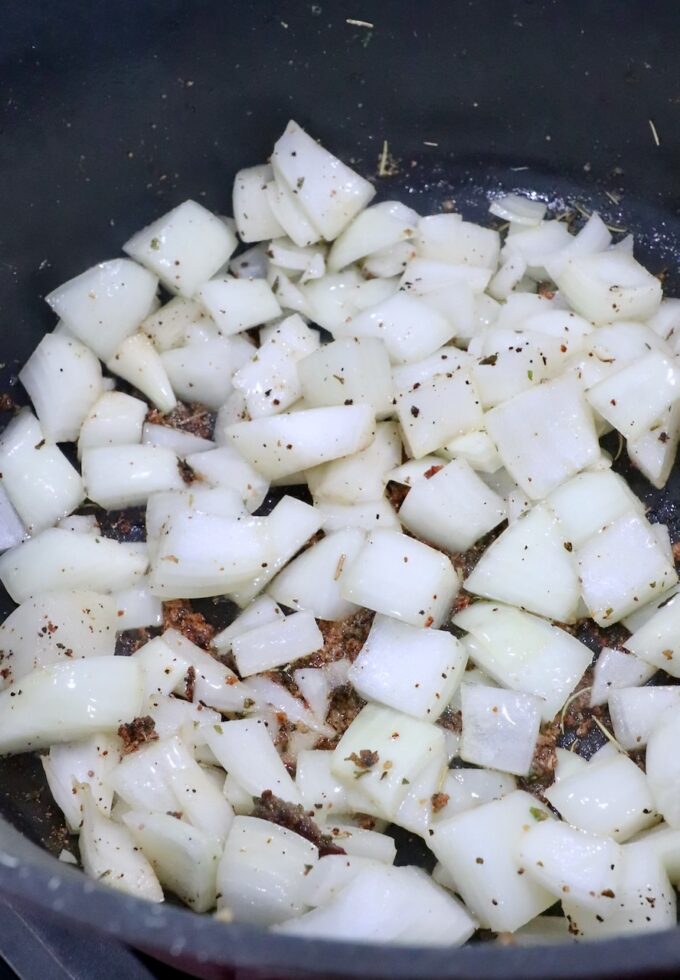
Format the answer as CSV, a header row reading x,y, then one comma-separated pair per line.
x,y
113,112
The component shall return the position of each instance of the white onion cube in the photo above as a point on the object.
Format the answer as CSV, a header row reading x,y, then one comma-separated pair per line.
x,y
247,752
39,480
184,247
524,653
280,445
590,501
453,508
58,559
399,747
63,379
403,578
237,304
636,711
137,361
114,419
328,191
378,227
529,565
434,413
254,218
402,906
68,701
544,435
407,668
657,641
480,850
106,304
637,395
500,728
312,581
125,476
570,862
277,643
615,669
622,568
261,875
610,798
355,369
408,327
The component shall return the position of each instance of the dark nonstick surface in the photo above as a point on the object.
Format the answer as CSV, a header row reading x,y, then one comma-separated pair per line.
x,y
114,112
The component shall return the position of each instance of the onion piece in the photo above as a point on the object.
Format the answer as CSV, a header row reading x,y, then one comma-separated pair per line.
x,y
621,568
329,192
352,368
409,328
126,476
312,581
39,480
255,220
447,238
636,396
237,304
181,443
645,900
366,516
468,788
609,286
261,874
409,669
184,248
453,508
106,304
201,369
12,530
568,861
611,798
519,210
57,560
55,626
378,227
524,653
529,566
544,435
290,524
114,419
277,643
500,728
63,379
261,611
361,476
227,469
202,555
167,326
422,582
137,361
615,669
283,444
636,711
109,855
479,848
404,746
69,701
245,750
434,413
656,641
184,857
73,765
137,608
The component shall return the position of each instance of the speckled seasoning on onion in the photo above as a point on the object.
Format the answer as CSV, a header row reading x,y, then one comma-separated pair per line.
x,y
408,647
